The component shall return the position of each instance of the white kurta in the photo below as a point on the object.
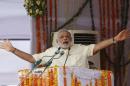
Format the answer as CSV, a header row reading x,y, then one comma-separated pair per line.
x,y
78,55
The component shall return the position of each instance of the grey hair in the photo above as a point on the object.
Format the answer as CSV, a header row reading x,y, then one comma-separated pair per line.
x,y
63,30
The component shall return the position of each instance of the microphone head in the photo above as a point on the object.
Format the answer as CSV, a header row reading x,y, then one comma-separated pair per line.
x,y
58,51
37,63
59,48
48,64
61,53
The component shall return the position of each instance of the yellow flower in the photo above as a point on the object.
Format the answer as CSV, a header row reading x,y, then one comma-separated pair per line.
x,y
40,12
26,1
35,7
38,2
30,11
37,10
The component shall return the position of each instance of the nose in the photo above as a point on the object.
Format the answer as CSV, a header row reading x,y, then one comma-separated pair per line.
x,y
65,38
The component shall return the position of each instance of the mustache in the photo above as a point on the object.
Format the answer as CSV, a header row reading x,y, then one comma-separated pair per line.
x,y
65,42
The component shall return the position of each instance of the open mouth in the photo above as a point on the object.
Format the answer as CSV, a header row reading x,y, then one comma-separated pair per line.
x,y
65,42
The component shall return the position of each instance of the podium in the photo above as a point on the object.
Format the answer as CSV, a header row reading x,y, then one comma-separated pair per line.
x,y
66,76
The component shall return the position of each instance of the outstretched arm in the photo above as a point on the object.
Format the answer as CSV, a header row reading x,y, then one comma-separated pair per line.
x,y
9,47
124,34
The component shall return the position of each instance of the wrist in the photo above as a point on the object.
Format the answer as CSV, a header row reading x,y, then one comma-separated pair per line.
x,y
13,50
114,41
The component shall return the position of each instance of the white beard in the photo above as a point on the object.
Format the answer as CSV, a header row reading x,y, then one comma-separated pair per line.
x,y
65,45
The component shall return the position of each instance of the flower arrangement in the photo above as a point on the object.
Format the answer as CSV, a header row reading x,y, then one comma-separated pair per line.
x,y
35,7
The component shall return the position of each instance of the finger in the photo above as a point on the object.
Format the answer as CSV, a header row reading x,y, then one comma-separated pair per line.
x,y
7,40
125,31
128,35
1,43
4,40
2,47
122,32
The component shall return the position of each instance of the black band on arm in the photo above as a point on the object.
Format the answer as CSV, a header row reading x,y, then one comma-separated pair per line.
x,y
114,41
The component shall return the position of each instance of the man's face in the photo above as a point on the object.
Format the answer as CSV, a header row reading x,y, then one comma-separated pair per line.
x,y
64,40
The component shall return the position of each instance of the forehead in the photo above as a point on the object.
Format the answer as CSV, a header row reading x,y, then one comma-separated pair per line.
x,y
63,33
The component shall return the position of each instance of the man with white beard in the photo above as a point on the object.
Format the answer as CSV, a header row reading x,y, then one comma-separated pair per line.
x,y
66,53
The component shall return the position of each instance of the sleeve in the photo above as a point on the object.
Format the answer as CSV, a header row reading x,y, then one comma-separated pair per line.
x,y
48,52
88,50
37,56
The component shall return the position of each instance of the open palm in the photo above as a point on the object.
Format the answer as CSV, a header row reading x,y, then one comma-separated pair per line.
x,y
6,44
124,34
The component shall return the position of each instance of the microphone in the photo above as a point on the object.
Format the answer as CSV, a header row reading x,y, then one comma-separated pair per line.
x,y
37,63
58,51
67,56
61,53
47,64
50,61
40,60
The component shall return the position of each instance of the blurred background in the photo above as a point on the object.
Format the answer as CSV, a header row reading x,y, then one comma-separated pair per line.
x,y
15,25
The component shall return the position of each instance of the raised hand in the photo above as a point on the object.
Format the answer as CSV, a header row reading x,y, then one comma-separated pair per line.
x,y
6,44
124,34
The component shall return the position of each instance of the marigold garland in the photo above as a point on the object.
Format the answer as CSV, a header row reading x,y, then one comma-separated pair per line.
x,y
35,7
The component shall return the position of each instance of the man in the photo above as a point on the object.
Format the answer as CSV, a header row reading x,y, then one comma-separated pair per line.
x,y
66,53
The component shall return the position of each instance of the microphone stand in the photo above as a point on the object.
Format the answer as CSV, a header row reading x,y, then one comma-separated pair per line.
x,y
67,56
49,63
38,62
35,66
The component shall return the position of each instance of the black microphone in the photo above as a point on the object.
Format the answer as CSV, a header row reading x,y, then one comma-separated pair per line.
x,y
67,56
40,60
37,63
50,61
47,64
58,51
61,53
